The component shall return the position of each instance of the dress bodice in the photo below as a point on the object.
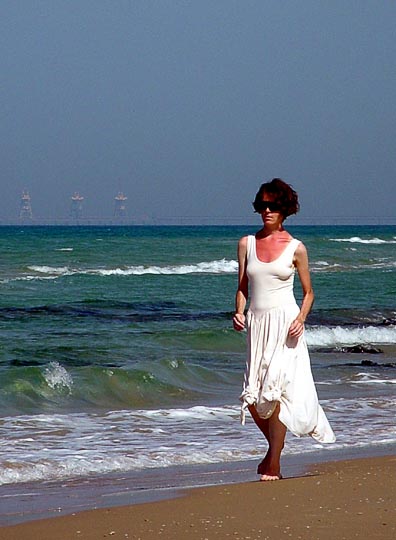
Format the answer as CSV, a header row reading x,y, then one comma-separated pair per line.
x,y
271,283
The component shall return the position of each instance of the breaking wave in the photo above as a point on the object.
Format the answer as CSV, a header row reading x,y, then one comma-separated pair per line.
x,y
123,434
222,266
358,240
334,337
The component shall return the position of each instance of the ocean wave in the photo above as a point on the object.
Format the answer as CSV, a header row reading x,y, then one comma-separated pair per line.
x,y
31,389
57,377
54,446
344,317
369,378
332,337
144,312
222,266
324,266
361,378
383,263
219,267
358,240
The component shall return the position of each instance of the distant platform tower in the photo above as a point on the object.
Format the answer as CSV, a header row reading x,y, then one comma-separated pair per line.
x,y
76,208
120,206
25,208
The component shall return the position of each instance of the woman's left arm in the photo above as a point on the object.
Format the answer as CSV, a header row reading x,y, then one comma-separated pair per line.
x,y
301,263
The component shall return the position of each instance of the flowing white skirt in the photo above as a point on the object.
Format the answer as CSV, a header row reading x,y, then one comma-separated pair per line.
x,y
278,370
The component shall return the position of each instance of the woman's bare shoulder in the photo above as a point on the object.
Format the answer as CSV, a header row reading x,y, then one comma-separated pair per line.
x,y
300,247
243,241
242,247
301,252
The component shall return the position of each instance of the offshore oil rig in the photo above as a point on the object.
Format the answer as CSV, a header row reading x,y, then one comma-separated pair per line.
x,y
25,207
120,206
76,208
118,215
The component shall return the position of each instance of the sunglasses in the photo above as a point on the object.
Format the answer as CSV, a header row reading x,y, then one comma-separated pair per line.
x,y
261,206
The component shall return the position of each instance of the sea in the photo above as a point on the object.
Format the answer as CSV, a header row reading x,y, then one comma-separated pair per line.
x,y
118,353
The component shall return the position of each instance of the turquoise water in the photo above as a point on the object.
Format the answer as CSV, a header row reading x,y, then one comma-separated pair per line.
x,y
117,351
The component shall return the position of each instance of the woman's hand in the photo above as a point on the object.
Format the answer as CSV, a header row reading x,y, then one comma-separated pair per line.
x,y
238,321
296,328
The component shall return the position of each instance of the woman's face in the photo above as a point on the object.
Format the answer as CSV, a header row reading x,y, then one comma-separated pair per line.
x,y
270,210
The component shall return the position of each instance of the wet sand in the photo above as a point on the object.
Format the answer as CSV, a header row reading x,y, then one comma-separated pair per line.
x,y
338,500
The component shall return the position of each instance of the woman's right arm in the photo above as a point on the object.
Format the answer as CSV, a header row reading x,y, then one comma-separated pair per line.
x,y
243,287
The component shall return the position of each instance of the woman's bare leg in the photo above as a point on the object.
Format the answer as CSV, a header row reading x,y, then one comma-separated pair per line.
x,y
261,423
275,432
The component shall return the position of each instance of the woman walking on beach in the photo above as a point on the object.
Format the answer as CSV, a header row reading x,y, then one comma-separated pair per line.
x,y
278,388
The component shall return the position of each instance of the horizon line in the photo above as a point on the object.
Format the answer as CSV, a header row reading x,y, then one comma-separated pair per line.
x,y
197,221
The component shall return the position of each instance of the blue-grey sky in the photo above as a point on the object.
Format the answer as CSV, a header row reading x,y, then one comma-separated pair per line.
x,y
187,106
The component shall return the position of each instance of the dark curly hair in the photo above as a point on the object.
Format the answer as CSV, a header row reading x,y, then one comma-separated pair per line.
x,y
282,193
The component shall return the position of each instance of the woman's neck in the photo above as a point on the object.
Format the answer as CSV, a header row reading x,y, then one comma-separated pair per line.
x,y
271,231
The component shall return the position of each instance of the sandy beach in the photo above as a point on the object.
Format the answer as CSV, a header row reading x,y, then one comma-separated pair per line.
x,y
337,500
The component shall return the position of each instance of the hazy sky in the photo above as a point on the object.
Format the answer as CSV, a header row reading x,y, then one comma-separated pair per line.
x,y
187,106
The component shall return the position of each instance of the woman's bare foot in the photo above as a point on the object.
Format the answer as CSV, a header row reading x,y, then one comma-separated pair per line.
x,y
266,472
270,478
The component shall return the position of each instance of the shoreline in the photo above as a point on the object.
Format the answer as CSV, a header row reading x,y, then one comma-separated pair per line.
x,y
29,502
339,499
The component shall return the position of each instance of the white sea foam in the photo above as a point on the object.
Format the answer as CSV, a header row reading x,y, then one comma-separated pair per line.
x,y
376,377
358,240
222,266
45,447
323,336
34,278
368,378
53,270
324,266
57,377
374,264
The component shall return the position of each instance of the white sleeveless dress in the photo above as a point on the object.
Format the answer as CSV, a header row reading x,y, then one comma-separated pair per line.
x,y
278,367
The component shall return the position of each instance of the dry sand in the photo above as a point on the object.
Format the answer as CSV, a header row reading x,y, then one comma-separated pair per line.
x,y
339,500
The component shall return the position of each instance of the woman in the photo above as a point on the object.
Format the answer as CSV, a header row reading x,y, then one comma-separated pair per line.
x,y
278,388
